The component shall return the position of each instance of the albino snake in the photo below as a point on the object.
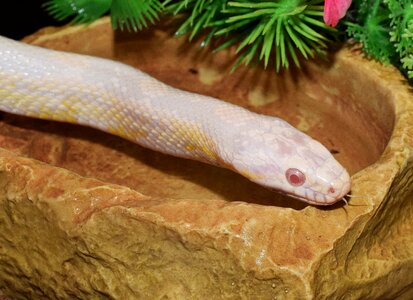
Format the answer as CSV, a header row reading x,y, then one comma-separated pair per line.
x,y
121,100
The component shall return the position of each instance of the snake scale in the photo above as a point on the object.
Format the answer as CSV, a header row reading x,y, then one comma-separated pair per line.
x,y
123,101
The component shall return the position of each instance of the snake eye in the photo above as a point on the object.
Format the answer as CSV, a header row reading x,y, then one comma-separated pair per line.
x,y
295,177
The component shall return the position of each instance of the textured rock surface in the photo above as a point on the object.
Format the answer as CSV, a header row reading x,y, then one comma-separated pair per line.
x,y
88,215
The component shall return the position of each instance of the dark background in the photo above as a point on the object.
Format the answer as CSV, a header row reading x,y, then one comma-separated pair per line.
x,y
19,18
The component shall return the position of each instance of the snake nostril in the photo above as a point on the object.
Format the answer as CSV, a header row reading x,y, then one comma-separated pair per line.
x,y
331,190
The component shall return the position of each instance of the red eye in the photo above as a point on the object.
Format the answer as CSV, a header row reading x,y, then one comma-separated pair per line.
x,y
295,177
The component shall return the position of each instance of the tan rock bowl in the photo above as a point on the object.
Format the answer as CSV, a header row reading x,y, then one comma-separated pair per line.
x,y
88,215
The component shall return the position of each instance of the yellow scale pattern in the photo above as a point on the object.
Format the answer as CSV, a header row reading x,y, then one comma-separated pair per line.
x,y
39,103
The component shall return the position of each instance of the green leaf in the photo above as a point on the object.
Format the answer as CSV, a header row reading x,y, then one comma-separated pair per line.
x,y
258,29
385,30
82,11
293,54
133,14
267,46
296,40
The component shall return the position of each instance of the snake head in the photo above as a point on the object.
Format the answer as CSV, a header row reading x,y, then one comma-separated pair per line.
x,y
282,158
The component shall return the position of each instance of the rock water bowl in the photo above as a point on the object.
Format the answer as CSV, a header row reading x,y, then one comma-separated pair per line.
x,y
90,215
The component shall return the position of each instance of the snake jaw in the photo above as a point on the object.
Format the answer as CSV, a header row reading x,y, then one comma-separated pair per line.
x,y
310,201
303,198
320,194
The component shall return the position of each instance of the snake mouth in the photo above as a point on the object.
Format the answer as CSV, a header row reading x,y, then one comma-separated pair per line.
x,y
335,193
307,200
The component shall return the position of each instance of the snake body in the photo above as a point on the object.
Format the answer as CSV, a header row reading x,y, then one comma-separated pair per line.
x,y
121,100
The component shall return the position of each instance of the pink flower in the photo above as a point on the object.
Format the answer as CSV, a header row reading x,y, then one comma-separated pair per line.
x,y
334,10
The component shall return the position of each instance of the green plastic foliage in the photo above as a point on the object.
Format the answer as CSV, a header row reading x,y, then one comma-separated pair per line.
x,y
129,14
401,33
134,14
82,11
281,29
385,28
275,32
284,29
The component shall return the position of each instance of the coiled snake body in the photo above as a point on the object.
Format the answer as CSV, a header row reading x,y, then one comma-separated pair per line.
x,y
121,100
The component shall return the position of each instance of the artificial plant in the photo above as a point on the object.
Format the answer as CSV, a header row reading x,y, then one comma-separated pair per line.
x,y
260,29
385,29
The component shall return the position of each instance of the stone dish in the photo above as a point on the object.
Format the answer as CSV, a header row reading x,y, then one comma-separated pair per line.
x,y
87,215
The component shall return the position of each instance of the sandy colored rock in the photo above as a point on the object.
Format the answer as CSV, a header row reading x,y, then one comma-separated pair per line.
x,y
87,215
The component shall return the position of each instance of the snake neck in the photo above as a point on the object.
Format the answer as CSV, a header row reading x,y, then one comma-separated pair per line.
x,y
112,97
